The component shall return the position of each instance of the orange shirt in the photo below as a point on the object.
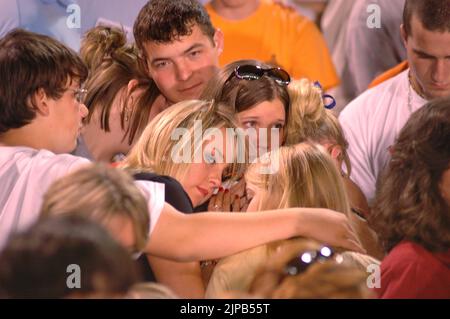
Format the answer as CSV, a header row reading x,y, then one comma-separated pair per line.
x,y
396,70
278,35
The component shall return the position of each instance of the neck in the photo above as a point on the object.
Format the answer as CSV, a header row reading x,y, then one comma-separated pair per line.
x,y
26,136
416,87
95,143
235,12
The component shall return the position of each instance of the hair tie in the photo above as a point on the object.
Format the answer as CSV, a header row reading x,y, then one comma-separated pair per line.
x,y
330,105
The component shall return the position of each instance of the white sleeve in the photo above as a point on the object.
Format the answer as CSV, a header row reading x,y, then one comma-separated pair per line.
x,y
154,194
355,124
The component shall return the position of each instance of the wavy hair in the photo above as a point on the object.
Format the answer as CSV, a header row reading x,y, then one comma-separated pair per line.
x,y
409,204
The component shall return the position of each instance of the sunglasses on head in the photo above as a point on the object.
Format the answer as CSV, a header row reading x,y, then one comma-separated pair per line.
x,y
302,262
253,72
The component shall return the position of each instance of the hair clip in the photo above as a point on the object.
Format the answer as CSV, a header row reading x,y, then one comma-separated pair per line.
x,y
330,105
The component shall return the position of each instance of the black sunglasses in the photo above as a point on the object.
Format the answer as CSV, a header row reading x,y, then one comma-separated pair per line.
x,y
302,262
253,72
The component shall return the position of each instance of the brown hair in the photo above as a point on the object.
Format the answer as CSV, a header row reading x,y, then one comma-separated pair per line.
x,y
433,14
165,21
36,263
242,95
113,65
321,280
409,204
101,42
29,62
99,192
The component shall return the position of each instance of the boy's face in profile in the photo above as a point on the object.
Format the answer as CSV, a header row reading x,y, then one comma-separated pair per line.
x,y
65,119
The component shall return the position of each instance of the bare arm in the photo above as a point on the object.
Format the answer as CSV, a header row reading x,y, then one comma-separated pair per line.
x,y
185,279
207,236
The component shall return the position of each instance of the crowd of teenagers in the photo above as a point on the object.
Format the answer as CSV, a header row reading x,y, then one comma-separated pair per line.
x,y
220,154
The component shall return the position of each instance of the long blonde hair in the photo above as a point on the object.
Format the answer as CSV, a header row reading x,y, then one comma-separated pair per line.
x,y
153,151
310,120
306,176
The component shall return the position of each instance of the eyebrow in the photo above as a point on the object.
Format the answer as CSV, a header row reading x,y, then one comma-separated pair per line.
x,y
257,118
423,53
191,48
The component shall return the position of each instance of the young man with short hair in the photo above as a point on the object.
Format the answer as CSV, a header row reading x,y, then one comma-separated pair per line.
x,y
373,120
180,47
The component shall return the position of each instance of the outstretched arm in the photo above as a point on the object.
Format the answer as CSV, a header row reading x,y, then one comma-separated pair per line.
x,y
207,236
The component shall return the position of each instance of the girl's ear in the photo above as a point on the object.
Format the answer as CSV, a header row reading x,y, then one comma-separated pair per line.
x,y
131,85
336,152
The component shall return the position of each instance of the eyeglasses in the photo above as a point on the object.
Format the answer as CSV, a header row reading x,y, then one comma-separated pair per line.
x,y
80,94
301,263
253,72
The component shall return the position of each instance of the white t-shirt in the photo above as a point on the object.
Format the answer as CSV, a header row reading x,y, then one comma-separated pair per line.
x,y
371,124
26,174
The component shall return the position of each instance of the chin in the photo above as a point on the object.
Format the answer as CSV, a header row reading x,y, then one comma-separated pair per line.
x,y
433,94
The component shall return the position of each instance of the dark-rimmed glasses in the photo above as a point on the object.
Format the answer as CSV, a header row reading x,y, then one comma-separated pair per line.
x,y
253,72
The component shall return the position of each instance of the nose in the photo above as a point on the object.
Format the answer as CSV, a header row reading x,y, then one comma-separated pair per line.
x,y
183,71
274,138
83,110
441,71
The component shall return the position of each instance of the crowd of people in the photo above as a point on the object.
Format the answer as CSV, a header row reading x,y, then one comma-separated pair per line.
x,y
230,149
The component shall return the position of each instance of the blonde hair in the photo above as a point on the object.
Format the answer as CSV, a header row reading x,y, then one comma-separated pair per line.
x,y
306,176
99,193
153,151
310,120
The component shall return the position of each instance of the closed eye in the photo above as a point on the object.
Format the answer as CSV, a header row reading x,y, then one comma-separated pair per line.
x,y
210,159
